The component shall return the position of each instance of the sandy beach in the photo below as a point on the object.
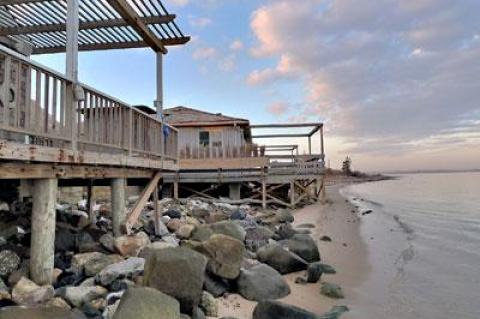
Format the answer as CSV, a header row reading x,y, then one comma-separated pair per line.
x,y
346,252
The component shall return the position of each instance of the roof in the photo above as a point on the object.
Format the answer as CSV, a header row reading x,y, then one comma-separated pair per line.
x,y
187,117
103,24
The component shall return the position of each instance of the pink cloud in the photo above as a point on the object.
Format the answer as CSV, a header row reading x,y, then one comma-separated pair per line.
x,y
236,45
278,108
204,53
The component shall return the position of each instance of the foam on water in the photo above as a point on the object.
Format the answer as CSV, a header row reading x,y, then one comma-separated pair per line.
x,y
423,241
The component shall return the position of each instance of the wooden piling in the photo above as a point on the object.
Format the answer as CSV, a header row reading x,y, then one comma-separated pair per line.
x,y
264,193
43,230
118,189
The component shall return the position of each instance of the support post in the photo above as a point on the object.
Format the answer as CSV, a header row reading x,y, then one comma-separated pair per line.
x,y
119,212
159,100
157,211
71,64
175,190
234,191
90,203
322,150
309,145
264,193
42,247
323,194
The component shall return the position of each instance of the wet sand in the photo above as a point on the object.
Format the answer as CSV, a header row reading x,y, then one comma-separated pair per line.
x,y
347,253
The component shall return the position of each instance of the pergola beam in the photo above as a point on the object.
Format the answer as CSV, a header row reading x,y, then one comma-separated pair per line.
x,y
279,135
286,125
83,25
111,46
132,18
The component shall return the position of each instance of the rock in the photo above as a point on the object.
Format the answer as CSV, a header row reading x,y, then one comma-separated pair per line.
x,y
209,305
39,313
108,242
4,293
185,231
9,262
225,255
325,238
307,225
281,259
162,229
174,224
27,293
199,213
334,313
238,214
93,263
215,285
284,216
173,213
327,269
178,272
58,303
202,233
285,231
121,284
147,303
131,245
277,310
129,268
229,228
300,281
198,313
257,237
304,246
4,207
215,217
77,296
262,282
314,272
12,232
332,290
85,243
89,282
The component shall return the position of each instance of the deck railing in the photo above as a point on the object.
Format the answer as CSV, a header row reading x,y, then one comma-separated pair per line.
x,y
34,109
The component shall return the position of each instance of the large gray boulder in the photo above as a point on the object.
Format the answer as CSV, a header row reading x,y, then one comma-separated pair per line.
x,y
77,296
280,259
215,285
262,282
28,293
129,268
39,313
304,246
178,272
93,263
9,262
257,237
277,310
147,303
225,255
229,228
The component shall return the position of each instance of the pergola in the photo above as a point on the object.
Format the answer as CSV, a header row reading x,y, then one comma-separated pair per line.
x,y
54,26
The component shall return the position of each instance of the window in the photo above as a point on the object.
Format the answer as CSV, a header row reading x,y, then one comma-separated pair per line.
x,y
217,144
204,138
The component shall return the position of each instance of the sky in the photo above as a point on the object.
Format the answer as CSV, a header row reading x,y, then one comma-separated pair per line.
x,y
397,83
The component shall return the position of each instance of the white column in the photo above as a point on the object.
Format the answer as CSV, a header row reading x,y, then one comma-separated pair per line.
x,y
159,100
71,63
119,210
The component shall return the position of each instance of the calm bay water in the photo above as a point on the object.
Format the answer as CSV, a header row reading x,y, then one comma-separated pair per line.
x,y
423,241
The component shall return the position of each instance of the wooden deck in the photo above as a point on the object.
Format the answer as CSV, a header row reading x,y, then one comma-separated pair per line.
x,y
40,123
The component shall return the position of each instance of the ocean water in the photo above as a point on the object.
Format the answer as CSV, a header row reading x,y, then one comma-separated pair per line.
x,y
423,239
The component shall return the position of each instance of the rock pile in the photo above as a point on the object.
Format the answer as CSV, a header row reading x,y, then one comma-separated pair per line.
x,y
174,267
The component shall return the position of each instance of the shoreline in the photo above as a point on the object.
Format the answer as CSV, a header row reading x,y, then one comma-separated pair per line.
x,y
347,253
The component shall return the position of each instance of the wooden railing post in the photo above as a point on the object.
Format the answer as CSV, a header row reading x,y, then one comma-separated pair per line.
x,y
130,131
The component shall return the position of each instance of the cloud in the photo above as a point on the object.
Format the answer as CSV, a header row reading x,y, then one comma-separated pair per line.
x,y
227,63
204,53
384,74
178,3
236,45
278,108
199,22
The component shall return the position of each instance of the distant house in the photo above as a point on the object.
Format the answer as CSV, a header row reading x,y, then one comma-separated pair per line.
x,y
210,135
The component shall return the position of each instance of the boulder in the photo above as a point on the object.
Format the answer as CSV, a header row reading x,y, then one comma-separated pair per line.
x,y
285,231
77,296
199,213
209,305
173,213
4,293
304,246
178,272
131,245
238,214
129,268
281,259
327,269
174,224
202,233
284,216
277,310
147,303
58,303
215,285
257,237
39,313
28,293
314,272
225,255
9,262
185,231
93,263
262,282
108,242
229,228
332,290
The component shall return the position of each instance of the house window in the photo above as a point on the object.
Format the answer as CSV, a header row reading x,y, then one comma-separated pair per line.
x,y
217,144
204,138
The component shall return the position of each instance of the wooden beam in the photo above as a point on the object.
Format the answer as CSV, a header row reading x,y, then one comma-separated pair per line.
x,y
279,135
111,46
13,2
286,125
132,18
142,200
5,31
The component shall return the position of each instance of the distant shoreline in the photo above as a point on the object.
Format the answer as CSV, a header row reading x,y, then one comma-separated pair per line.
x,y
434,171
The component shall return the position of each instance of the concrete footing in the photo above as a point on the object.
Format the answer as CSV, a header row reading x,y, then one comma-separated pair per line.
x,y
234,191
119,210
